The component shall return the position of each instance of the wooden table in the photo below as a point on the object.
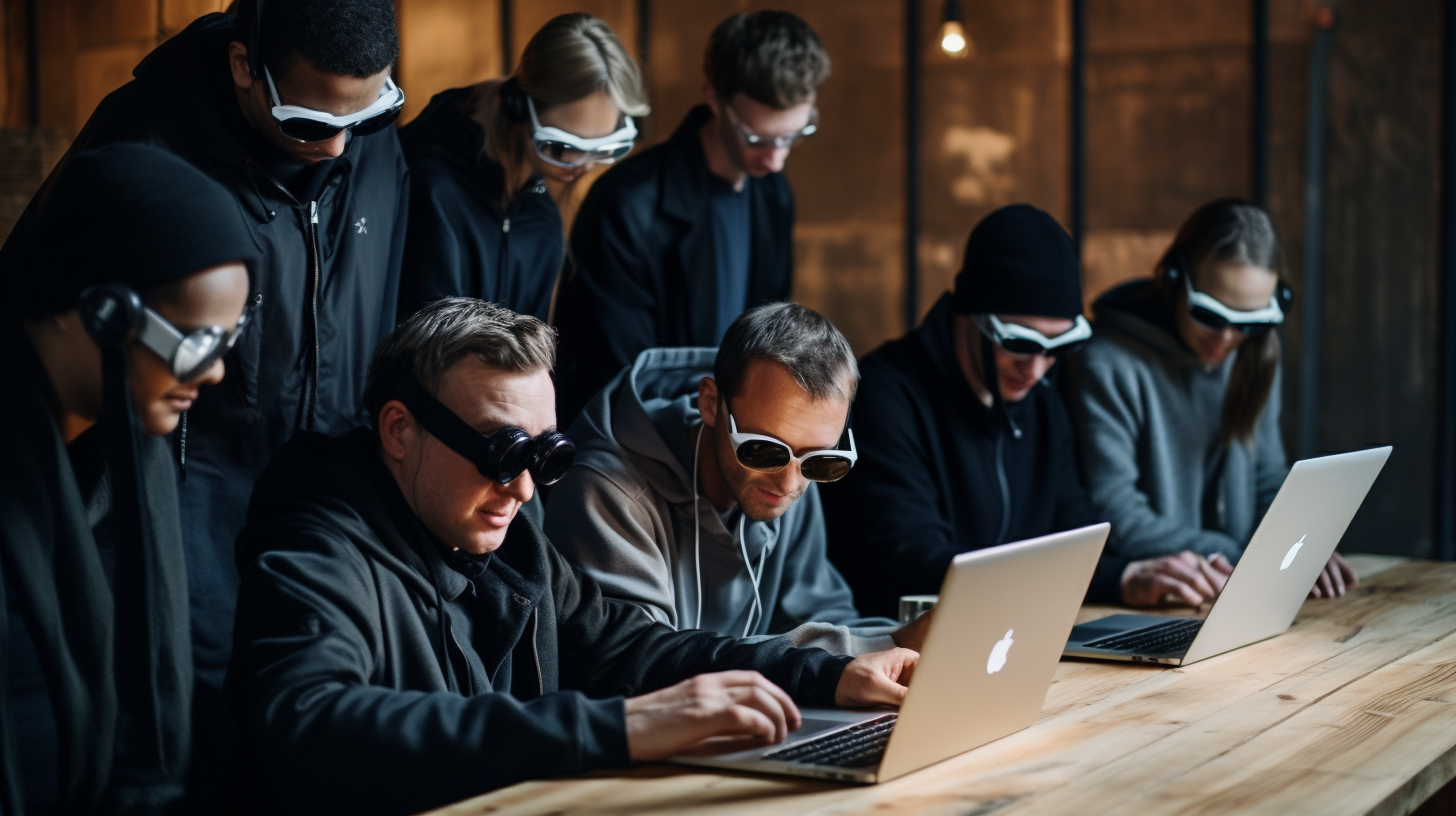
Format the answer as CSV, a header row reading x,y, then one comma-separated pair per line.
x,y
1353,711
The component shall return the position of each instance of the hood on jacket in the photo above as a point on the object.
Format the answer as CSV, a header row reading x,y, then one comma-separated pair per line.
x,y
340,483
1131,311
645,417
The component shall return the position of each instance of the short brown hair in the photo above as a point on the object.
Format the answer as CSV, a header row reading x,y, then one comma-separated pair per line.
x,y
772,57
444,332
796,337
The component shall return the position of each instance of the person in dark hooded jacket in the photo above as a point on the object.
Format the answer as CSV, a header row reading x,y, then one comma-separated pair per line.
x,y
483,222
327,218
103,344
964,443
407,638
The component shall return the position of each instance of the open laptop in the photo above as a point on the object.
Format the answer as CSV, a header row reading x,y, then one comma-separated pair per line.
x,y
1273,577
985,667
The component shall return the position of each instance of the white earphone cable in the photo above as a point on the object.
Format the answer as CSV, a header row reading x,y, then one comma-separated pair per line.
x,y
697,531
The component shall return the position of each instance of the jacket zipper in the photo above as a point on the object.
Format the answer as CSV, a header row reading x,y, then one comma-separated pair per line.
x,y
1005,489
535,651
315,263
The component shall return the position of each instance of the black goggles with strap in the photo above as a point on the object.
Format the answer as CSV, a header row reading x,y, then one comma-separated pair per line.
x,y
501,456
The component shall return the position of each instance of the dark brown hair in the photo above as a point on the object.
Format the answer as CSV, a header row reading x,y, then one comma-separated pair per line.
x,y
772,57
1229,229
572,57
796,337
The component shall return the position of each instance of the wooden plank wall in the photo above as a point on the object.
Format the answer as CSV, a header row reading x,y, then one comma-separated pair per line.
x,y
1168,94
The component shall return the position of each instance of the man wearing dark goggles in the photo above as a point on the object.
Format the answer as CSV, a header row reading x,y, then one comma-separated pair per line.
x,y
698,499
398,612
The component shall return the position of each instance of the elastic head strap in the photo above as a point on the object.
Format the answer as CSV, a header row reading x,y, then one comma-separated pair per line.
x,y
440,421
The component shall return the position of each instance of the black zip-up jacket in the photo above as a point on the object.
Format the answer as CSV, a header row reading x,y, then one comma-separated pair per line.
x,y
940,474
372,675
461,241
329,278
642,270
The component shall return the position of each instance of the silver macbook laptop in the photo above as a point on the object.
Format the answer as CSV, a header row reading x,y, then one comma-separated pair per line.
x,y
1264,593
985,667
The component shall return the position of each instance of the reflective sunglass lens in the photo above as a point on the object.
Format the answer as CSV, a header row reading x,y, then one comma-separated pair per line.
x,y
307,130
554,455
757,454
1207,318
374,124
508,454
825,468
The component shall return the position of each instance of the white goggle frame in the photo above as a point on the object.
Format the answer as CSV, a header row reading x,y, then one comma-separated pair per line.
x,y
1267,315
601,150
390,97
1000,331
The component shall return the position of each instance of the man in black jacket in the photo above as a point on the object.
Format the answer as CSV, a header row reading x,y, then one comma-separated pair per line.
x,y
952,460
328,218
672,245
406,639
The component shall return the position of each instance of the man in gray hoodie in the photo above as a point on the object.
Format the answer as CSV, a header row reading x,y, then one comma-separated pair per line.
x,y
693,494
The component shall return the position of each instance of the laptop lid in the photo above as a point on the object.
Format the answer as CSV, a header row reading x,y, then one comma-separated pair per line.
x,y
992,650
1309,515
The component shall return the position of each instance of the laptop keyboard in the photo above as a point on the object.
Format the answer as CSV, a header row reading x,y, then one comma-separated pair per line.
x,y
860,746
1163,638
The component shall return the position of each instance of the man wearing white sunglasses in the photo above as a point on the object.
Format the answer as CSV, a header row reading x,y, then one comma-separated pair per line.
x,y
288,105
694,494
674,243
963,444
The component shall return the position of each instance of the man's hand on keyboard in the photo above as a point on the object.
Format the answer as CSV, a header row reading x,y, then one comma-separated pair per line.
x,y
880,678
1185,578
738,704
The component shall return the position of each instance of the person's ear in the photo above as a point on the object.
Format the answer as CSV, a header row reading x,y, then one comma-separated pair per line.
x,y
708,402
397,430
238,65
710,98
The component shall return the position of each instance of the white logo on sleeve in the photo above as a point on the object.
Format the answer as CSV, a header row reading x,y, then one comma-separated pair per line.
x,y
360,224
1289,556
998,653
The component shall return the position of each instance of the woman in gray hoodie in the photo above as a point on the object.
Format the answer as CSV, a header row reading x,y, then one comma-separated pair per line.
x,y
1176,398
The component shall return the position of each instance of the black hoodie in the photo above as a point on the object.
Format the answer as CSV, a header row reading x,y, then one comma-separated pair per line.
x,y
940,474
329,280
373,675
461,240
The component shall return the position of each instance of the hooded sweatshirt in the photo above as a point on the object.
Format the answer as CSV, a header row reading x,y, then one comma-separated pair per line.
x,y
377,672
627,514
462,240
1149,412
331,241
939,473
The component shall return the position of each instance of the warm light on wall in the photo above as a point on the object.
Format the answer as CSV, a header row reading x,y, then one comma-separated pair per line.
x,y
954,40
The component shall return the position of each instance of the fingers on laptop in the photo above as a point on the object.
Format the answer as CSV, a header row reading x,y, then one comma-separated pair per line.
x,y
881,678
733,704
1335,579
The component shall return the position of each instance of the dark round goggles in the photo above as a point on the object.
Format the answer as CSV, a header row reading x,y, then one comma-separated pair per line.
x,y
768,455
501,456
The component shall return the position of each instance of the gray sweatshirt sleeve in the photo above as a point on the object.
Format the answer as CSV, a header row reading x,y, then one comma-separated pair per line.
x,y
1111,412
815,604
600,525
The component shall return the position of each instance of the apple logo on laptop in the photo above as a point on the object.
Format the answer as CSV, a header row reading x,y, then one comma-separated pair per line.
x,y
1289,556
998,653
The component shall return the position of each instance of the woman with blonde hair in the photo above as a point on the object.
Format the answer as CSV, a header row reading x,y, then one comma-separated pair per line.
x,y
483,221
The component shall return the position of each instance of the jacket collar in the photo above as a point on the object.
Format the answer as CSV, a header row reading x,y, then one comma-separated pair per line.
x,y
685,173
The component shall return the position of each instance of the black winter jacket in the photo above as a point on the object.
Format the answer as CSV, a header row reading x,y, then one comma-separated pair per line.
x,y
461,241
642,268
940,474
329,278
346,676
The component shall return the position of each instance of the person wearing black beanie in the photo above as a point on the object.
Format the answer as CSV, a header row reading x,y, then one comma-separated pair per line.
x,y
126,304
963,444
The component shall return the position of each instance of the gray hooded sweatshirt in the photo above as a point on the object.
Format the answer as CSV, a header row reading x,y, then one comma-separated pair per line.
x,y
1148,415
625,512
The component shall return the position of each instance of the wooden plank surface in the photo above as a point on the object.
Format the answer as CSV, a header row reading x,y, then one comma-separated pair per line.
x,y
1353,711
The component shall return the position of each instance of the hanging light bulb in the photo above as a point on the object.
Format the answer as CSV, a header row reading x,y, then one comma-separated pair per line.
x,y
954,40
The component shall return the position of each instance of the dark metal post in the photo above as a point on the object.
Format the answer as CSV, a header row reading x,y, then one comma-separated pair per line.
x,y
1312,289
1259,120
32,60
1446,418
912,163
1077,161
508,59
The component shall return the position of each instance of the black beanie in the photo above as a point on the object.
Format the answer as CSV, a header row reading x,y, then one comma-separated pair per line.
x,y
130,214
1019,261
